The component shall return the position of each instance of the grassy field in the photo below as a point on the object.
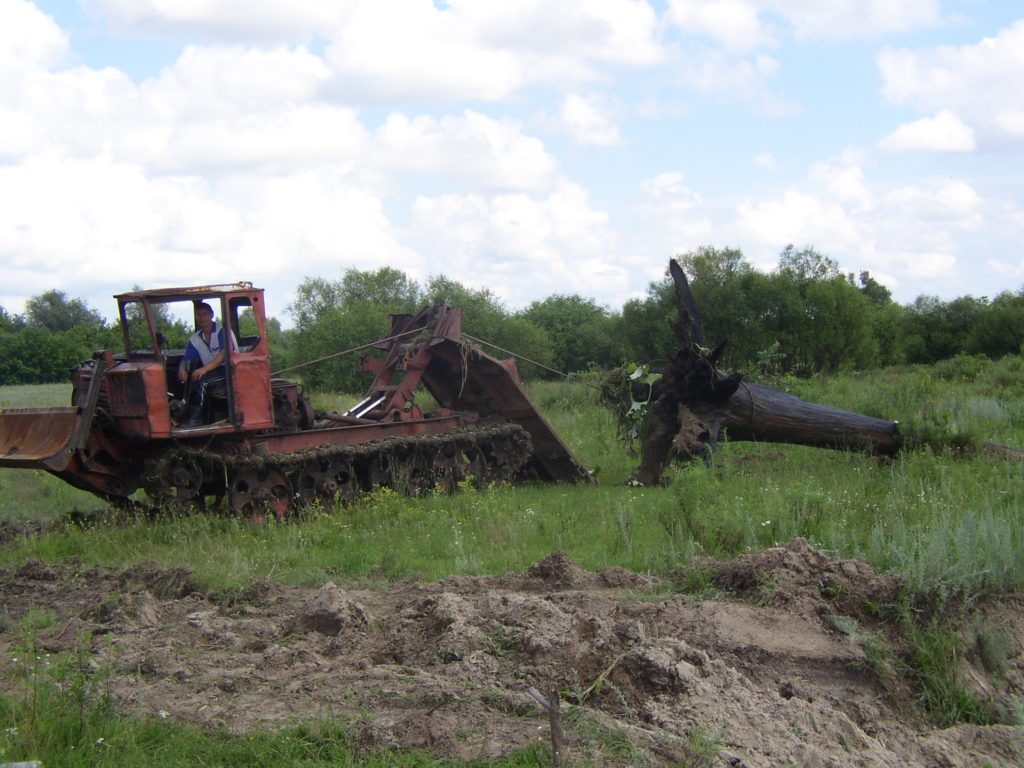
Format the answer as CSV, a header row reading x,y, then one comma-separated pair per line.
x,y
34,494
945,516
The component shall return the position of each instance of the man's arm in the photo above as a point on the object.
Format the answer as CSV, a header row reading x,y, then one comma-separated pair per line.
x,y
202,370
190,354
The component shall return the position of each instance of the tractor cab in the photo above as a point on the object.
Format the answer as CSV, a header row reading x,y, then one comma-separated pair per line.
x,y
143,393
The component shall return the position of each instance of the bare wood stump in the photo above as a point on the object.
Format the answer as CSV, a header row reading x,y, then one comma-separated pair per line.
x,y
693,402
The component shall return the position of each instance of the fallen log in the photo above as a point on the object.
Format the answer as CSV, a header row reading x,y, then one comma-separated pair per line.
x,y
693,402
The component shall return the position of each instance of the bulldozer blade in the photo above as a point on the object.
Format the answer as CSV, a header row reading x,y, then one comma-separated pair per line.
x,y
39,438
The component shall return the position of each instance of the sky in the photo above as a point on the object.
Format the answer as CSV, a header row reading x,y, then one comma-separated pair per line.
x,y
530,147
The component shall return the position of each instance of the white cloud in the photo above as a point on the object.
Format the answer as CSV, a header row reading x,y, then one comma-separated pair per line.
x,y
979,83
843,19
943,133
668,218
120,226
284,141
472,148
411,49
208,82
213,108
921,264
707,70
674,212
28,39
612,31
249,154
419,50
267,20
742,26
549,39
950,203
796,218
429,54
585,121
734,24
235,154
885,239
514,243
843,178
1012,272
910,232
722,50
104,210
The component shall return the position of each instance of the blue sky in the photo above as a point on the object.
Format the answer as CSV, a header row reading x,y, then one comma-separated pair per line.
x,y
526,146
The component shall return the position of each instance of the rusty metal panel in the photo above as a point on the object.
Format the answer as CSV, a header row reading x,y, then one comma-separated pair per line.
x,y
252,387
158,399
126,391
468,379
38,438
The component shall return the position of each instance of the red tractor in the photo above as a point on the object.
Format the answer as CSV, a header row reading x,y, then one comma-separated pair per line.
x,y
258,444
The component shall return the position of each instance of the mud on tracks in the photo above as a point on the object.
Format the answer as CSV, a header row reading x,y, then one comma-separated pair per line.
x,y
774,671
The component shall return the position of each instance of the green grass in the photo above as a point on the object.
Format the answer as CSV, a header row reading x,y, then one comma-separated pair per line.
x,y
34,494
944,516
34,395
61,715
949,523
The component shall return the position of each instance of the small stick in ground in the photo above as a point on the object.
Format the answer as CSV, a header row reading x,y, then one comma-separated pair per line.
x,y
553,705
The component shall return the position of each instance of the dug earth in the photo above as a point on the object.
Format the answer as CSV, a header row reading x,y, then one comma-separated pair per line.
x,y
771,668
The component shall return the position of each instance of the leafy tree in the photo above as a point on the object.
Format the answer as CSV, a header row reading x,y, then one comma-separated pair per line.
x,y
647,324
937,329
887,326
806,315
839,332
387,286
582,333
806,265
998,329
9,322
824,321
313,298
737,303
174,331
874,291
36,356
887,320
331,317
55,312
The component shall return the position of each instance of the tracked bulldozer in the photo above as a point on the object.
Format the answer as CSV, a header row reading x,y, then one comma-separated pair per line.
x,y
259,445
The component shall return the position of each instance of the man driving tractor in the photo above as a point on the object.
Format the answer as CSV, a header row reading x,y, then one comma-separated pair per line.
x,y
207,346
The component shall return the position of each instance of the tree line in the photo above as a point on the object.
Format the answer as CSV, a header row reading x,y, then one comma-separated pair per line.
x,y
806,316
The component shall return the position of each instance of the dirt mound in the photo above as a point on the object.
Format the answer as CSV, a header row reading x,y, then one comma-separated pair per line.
x,y
166,583
557,570
446,666
11,530
798,577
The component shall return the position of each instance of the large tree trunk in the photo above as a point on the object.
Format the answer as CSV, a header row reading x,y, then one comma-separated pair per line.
x,y
693,402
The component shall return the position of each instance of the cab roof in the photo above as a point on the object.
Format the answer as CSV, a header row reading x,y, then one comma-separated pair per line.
x,y
183,294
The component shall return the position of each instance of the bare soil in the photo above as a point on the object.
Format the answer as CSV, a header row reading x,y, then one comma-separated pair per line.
x,y
775,671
